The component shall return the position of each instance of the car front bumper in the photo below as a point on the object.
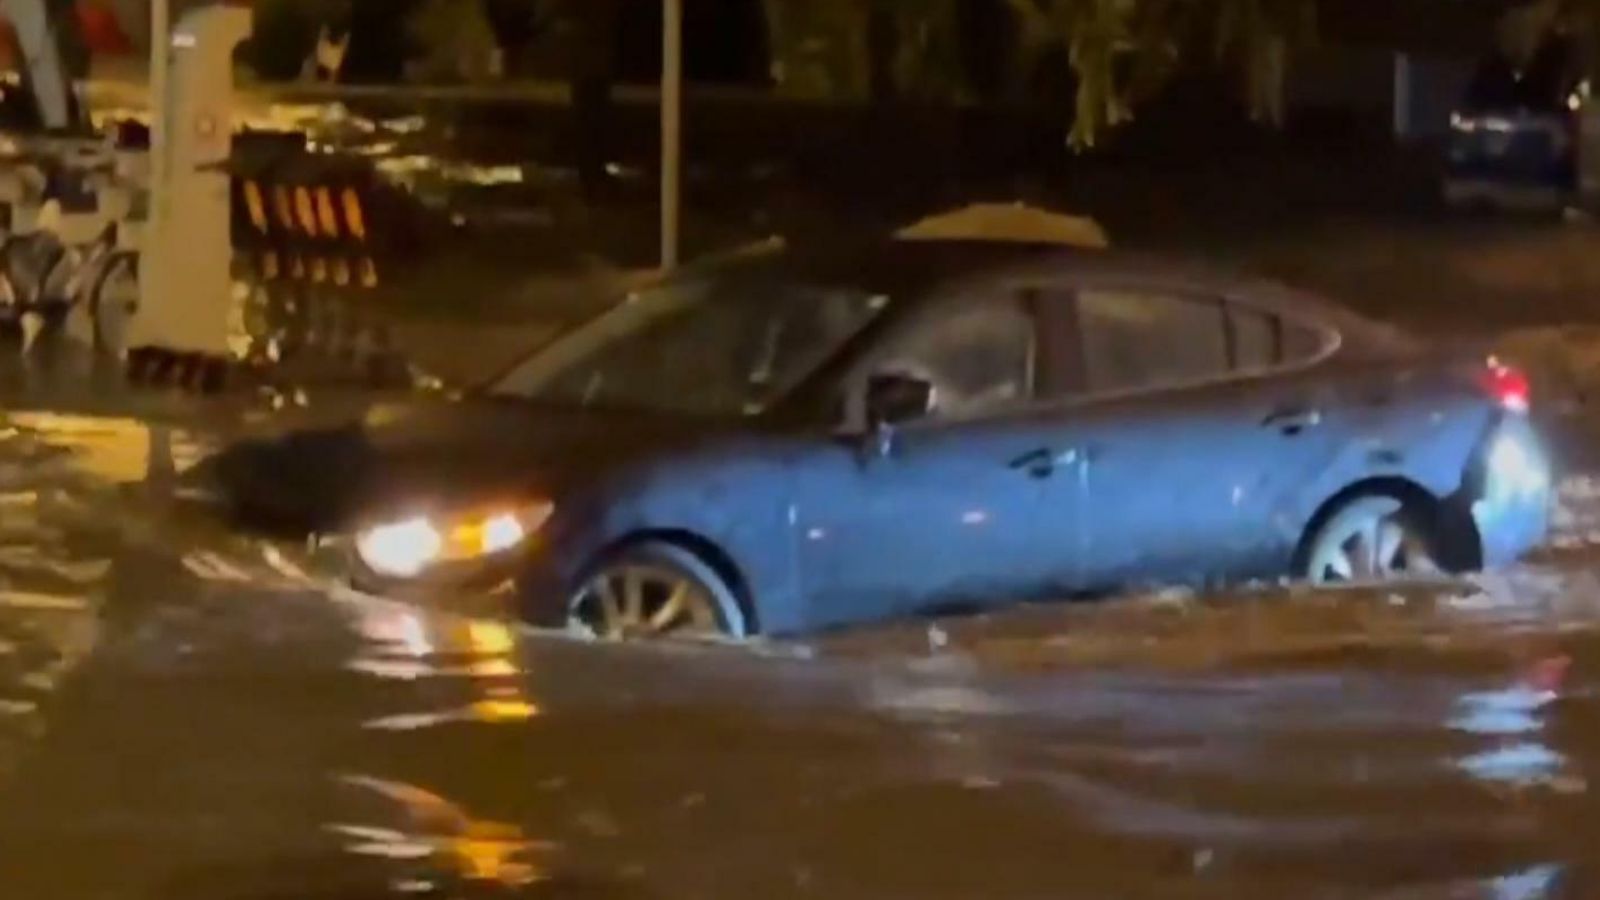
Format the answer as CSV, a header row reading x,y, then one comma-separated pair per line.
x,y
526,585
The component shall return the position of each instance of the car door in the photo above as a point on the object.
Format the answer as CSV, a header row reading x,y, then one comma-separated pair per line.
x,y
1191,432
958,508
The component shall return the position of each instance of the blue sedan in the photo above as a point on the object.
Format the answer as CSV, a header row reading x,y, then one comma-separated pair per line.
x,y
800,440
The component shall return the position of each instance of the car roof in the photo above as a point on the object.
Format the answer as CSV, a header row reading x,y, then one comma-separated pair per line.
x,y
901,268
917,269
907,267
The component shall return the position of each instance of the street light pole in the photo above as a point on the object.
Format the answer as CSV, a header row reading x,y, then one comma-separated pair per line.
x,y
160,59
671,129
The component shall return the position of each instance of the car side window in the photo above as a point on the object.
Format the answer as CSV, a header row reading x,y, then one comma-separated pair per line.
x,y
1257,338
1135,339
1261,340
1300,343
979,355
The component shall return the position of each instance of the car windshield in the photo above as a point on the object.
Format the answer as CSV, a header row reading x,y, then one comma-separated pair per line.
x,y
705,347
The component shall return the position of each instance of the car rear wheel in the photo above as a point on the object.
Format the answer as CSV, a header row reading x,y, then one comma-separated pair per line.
x,y
1372,539
655,590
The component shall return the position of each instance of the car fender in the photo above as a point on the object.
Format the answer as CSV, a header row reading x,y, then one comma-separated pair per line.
x,y
736,498
1428,445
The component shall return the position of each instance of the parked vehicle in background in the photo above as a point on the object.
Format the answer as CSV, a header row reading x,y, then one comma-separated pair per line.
x,y
797,440
1515,142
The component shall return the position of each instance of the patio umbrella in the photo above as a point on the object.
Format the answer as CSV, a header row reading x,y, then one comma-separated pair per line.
x,y
1009,222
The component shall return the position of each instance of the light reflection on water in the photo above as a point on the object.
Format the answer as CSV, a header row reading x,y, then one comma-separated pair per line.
x,y
116,450
404,644
1536,883
1512,718
52,564
407,645
443,836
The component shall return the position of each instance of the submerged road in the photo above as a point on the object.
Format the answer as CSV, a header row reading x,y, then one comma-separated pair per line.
x,y
185,713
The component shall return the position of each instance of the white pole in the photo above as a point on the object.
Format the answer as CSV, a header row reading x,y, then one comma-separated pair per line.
x,y
160,59
152,266
671,128
1402,96
186,254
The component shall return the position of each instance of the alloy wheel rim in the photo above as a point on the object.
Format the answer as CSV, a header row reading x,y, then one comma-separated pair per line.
x,y
630,602
1377,548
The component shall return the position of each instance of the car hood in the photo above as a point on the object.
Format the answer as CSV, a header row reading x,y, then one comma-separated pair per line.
x,y
431,455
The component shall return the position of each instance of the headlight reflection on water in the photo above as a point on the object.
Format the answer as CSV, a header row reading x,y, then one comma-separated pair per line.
x,y
437,831
477,654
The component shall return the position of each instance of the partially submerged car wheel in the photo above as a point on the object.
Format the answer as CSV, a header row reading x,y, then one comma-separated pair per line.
x,y
1372,539
655,590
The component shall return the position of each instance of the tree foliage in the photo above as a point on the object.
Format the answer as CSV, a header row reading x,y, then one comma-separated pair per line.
x,y
1113,53
819,47
285,33
455,40
1118,51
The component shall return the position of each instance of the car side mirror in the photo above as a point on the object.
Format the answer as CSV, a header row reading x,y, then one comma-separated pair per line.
x,y
893,398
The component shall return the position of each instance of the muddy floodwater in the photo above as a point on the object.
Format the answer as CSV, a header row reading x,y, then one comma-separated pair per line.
x,y
189,714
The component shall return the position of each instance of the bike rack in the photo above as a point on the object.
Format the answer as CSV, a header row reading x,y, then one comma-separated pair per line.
x,y
195,265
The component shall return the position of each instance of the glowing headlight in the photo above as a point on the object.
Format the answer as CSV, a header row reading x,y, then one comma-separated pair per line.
x,y
404,549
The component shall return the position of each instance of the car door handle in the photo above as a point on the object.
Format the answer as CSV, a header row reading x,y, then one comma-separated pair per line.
x,y
1043,462
1293,420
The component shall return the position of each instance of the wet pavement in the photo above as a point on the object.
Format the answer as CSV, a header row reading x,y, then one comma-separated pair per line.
x,y
185,713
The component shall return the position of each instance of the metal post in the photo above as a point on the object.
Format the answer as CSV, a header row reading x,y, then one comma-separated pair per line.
x,y
671,129
160,59
1402,96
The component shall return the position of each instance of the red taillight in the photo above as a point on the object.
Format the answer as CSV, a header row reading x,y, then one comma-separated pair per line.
x,y
1507,385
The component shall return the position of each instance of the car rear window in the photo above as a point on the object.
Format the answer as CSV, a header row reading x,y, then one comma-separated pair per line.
x,y
1257,339
1301,343
1262,340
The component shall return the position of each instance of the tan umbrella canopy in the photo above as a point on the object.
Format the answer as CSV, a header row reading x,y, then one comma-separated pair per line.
x,y
1009,222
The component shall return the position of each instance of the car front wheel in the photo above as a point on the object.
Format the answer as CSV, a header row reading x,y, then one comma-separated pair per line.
x,y
655,590
1372,539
